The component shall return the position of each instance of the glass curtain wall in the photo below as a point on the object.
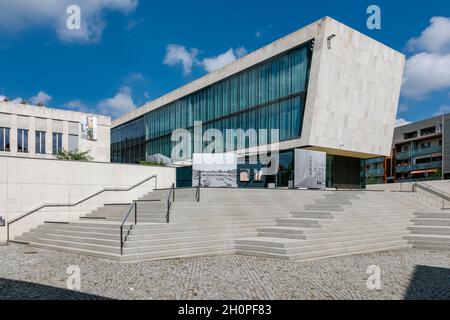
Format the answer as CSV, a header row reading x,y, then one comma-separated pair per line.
x,y
128,142
270,95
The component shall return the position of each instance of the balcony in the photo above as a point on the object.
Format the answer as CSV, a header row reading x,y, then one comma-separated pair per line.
x,y
418,152
375,161
375,172
429,165
403,169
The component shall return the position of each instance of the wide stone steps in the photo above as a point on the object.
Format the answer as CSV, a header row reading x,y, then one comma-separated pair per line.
x,y
331,252
278,224
290,247
337,224
305,233
433,215
431,230
431,222
433,242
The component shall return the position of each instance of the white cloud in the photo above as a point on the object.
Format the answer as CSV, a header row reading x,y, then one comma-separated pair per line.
x,y
180,55
426,73
435,38
401,122
76,105
21,15
41,97
177,54
215,63
429,71
118,105
445,109
134,77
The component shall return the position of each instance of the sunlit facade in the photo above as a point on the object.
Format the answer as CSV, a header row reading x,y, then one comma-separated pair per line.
x,y
270,95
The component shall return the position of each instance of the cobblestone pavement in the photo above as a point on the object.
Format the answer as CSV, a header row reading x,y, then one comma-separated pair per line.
x,y
30,273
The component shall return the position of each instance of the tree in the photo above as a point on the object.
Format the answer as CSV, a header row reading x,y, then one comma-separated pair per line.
x,y
74,155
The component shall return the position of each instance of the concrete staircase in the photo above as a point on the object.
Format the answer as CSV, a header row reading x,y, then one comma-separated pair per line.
x,y
209,227
343,223
281,224
431,230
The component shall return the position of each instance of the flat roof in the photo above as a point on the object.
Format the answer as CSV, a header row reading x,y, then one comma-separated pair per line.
x,y
29,110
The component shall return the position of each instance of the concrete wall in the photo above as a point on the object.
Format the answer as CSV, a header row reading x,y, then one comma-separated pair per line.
x,y
26,184
33,118
353,93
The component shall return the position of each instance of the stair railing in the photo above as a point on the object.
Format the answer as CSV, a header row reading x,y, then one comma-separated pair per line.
x,y
433,191
170,201
123,239
69,205
199,187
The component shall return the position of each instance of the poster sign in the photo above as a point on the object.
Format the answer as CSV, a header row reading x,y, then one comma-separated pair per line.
x,y
89,128
310,169
217,170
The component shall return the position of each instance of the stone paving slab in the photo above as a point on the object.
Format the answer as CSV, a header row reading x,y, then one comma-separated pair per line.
x,y
30,273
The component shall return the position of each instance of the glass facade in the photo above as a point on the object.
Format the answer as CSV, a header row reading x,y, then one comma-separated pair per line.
x,y
270,95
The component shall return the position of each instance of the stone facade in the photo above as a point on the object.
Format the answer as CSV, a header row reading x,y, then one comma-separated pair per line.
x,y
16,116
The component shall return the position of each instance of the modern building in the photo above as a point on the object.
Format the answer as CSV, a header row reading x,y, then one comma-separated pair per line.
x,y
326,87
41,132
420,151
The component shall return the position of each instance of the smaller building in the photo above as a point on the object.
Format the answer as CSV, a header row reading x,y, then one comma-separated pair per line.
x,y
42,132
420,151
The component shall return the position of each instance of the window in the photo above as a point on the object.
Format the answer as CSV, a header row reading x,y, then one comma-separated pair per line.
x,y
426,145
40,142
428,131
22,141
410,135
4,139
73,142
57,143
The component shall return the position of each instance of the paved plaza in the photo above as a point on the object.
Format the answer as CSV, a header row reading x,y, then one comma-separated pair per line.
x,y
30,273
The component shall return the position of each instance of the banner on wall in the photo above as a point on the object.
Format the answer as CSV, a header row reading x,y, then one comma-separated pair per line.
x,y
89,128
217,170
310,169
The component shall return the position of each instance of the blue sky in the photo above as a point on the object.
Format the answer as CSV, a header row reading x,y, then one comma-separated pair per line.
x,y
131,51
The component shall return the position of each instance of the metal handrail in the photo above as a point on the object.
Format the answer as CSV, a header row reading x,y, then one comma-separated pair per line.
x,y
69,205
123,239
198,189
438,193
169,204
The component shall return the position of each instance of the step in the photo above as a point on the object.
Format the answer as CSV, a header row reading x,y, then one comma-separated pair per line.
x,y
335,252
329,236
431,230
433,215
323,207
431,222
287,246
445,240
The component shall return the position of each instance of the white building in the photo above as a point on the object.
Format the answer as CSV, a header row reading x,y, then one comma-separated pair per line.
x,y
40,132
